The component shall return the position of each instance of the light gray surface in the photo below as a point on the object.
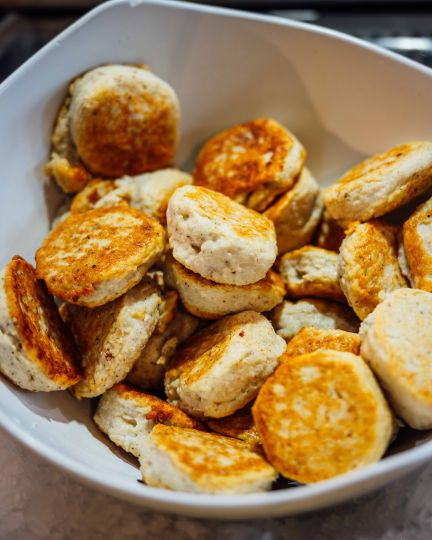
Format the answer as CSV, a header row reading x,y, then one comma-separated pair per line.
x,y
37,502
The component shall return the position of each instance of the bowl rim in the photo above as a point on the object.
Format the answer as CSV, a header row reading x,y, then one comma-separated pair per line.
x,y
264,504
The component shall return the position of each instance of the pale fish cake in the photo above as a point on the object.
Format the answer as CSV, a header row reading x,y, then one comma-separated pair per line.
x,y
329,233
288,318
173,328
117,120
397,344
382,183
92,258
111,337
417,244
368,266
311,271
209,300
37,352
221,368
321,415
258,158
310,339
218,238
297,213
127,416
148,192
239,425
194,461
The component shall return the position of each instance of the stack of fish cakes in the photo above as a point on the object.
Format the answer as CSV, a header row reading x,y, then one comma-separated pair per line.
x,y
216,316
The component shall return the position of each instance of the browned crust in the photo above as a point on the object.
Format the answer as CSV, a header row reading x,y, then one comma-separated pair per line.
x,y
72,277
52,349
247,171
310,339
87,198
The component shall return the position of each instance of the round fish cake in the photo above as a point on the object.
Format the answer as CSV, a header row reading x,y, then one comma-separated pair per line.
x,y
174,327
368,267
259,157
194,461
382,183
310,339
209,300
111,337
239,425
127,416
116,120
311,271
288,318
417,244
321,415
397,344
37,352
297,213
221,368
92,258
218,238
148,192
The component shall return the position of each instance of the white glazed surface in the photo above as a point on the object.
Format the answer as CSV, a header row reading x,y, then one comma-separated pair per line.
x,y
343,99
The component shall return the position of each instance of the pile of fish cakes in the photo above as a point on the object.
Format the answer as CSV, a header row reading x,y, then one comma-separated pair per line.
x,y
233,324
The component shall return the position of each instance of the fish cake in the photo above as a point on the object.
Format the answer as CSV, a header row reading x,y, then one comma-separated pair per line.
x,y
417,245
218,238
258,158
396,342
321,415
37,352
288,318
368,265
127,416
92,258
239,425
173,328
311,271
310,339
209,300
296,213
381,183
111,337
221,368
116,120
188,460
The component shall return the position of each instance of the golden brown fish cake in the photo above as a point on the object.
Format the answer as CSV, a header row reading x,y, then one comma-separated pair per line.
x,y
239,425
311,271
92,258
111,337
88,197
221,368
296,213
397,344
190,460
310,339
368,267
127,416
329,233
321,415
37,351
417,244
381,183
250,157
218,238
116,120
209,300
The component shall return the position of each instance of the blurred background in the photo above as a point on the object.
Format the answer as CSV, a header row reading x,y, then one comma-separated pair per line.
x,y
402,26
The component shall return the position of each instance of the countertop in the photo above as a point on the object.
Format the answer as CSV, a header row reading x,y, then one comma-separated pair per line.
x,y
37,501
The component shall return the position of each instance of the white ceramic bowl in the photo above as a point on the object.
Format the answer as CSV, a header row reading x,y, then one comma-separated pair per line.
x,y
343,98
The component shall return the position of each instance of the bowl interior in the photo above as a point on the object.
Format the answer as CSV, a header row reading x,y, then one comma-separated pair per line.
x,y
341,99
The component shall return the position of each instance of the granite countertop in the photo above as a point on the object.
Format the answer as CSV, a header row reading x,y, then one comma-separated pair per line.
x,y
40,502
